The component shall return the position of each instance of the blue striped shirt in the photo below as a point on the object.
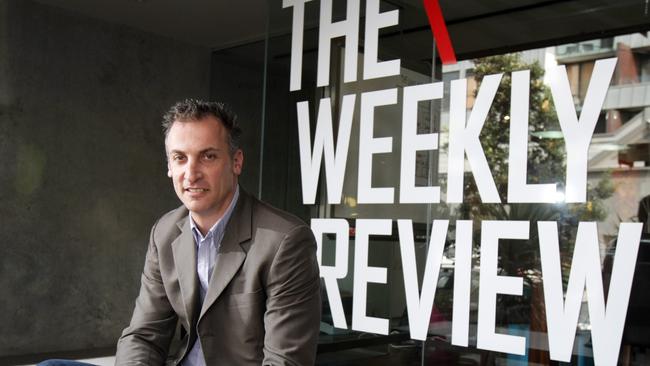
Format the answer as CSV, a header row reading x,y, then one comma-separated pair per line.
x,y
206,249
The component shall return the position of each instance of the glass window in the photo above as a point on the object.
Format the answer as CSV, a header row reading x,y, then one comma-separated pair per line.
x,y
490,262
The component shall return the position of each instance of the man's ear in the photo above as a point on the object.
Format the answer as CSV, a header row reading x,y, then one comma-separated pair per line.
x,y
237,162
169,171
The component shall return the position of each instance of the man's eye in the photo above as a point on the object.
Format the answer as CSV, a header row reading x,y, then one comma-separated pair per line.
x,y
210,156
178,158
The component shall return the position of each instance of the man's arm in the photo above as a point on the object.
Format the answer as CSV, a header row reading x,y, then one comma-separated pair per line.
x,y
146,340
293,305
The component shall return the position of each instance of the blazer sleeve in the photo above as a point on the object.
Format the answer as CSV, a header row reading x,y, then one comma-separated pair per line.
x,y
293,305
146,340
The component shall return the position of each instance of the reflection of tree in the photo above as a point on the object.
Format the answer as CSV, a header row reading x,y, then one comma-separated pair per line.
x,y
546,164
546,155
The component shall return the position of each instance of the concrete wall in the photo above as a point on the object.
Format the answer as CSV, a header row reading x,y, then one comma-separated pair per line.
x,y
82,171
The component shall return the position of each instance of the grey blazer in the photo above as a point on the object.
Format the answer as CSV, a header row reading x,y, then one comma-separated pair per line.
x,y
263,301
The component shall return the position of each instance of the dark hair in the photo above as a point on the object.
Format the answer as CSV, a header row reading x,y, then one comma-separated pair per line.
x,y
193,110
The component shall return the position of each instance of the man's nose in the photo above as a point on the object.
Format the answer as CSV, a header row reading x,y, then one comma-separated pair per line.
x,y
193,171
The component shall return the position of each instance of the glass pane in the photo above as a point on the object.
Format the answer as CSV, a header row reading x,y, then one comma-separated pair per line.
x,y
384,300
523,188
617,191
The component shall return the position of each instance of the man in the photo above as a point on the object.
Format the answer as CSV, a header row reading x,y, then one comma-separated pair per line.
x,y
238,277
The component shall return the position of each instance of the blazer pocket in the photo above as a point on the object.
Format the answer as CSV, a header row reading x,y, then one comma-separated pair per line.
x,y
245,299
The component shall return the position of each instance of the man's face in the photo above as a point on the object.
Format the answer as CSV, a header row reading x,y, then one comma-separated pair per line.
x,y
201,167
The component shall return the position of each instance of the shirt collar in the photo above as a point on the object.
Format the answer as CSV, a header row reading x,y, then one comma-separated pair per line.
x,y
219,225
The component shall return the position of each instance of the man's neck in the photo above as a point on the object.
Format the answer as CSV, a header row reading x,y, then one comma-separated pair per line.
x,y
206,222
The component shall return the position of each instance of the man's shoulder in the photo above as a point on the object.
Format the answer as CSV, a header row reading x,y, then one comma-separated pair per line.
x,y
266,215
169,225
273,229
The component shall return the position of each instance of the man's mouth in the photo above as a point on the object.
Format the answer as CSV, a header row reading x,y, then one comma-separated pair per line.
x,y
196,190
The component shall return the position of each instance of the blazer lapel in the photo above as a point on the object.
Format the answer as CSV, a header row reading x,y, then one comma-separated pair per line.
x,y
184,250
230,255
